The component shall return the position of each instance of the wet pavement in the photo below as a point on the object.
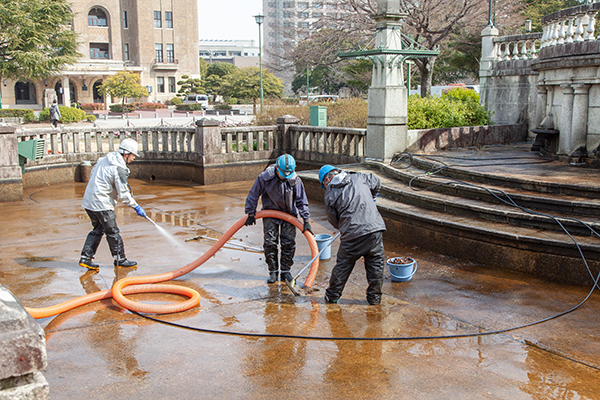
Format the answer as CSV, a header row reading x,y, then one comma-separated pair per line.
x,y
102,351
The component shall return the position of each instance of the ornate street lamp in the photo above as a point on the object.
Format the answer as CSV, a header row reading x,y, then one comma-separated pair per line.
x,y
259,20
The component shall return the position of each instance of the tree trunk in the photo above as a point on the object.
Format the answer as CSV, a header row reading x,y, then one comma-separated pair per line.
x,y
426,75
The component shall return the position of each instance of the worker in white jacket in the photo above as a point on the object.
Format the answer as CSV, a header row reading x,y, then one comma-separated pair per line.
x,y
108,182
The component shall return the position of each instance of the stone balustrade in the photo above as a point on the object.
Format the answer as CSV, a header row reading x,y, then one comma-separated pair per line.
x,y
328,145
572,25
516,47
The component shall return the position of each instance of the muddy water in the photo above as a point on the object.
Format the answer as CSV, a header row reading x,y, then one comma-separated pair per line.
x,y
102,351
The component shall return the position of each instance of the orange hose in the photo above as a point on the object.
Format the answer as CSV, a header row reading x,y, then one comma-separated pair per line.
x,y
139,284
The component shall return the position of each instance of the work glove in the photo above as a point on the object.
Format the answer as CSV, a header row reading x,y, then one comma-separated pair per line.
x,y
250,220
307,227
140,211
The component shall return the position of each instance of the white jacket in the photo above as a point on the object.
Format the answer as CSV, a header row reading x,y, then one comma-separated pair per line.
x,y
108,182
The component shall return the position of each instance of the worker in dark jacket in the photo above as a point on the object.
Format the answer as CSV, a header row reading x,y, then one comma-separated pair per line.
x,y
280,189
350,205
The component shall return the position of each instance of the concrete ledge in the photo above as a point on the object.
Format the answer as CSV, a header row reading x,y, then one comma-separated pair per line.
x,y
22,352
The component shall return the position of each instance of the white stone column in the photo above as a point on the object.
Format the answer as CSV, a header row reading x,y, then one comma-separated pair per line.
x,y
488,57
566,118
387,115
66,92
541,104
579,123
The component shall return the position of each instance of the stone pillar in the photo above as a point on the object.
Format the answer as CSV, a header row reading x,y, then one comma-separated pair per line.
x,y
285,141
22,351
564,123
388,96
488,57
11,179
208,138
579,125
66,91
540,105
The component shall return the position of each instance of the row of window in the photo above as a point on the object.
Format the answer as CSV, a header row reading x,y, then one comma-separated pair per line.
x,y
160,84
97,17
301,15
100,51
304,5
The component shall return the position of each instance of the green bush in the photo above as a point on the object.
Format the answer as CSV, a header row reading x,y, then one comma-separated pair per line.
x,y
458,107
27,115
91,118
189,107
222,106
118,108
176,101
67,114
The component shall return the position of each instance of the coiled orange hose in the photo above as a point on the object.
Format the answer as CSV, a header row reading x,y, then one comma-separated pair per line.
x,y
142,284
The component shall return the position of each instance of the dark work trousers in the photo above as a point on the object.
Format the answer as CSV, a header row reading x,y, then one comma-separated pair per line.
x,y
282,233
104,222
369,246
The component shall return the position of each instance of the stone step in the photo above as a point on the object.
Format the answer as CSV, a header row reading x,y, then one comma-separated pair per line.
x,y
475,201
488,233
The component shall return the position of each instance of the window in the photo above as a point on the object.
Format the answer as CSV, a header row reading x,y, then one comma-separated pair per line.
x,y
303,25
331,6
316,14
160,84
288,4
303,5
158,52
124,19
157,20
302,15
288,24
126,52
168,19
96,17
318,6
287,14
170,53
172,87
99,50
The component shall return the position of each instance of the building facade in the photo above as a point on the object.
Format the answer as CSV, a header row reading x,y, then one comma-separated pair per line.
x,y
288,22
156,39
241,53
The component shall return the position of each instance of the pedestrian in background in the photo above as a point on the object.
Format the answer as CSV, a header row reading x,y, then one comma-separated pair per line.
x,y
350,204
280,189
108,182
54,113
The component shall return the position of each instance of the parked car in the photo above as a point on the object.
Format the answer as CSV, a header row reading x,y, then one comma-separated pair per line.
x,y
197,99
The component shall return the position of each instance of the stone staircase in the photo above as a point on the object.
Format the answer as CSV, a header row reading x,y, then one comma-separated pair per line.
x,y
507,216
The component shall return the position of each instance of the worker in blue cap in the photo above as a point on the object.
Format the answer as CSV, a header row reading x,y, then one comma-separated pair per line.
x,y
349,201
280,189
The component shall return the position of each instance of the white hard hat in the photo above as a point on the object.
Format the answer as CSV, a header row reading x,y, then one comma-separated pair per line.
x,y
129,146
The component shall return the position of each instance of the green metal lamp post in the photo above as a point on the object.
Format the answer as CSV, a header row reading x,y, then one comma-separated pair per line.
x,y
259,20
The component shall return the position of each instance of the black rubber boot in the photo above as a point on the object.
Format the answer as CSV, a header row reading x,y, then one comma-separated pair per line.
x,y
125,263
272,277
86,262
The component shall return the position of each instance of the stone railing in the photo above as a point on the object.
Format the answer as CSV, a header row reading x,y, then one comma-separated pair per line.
x,y
517,47
572,25
328,145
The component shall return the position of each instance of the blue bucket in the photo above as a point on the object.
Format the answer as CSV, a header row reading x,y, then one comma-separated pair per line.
x,y
401,272
324,242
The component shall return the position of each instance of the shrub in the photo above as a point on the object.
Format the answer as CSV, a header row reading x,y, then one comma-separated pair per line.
x,y
67,114
27,115
458,107
224,106
119,108
92,106
91,118
148,106
176,101
189,107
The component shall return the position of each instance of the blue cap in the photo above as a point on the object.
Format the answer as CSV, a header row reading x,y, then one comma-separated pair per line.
x,y
325,169
286,165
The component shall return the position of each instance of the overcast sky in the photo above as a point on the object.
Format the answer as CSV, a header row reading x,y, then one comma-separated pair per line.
x,y
228,19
